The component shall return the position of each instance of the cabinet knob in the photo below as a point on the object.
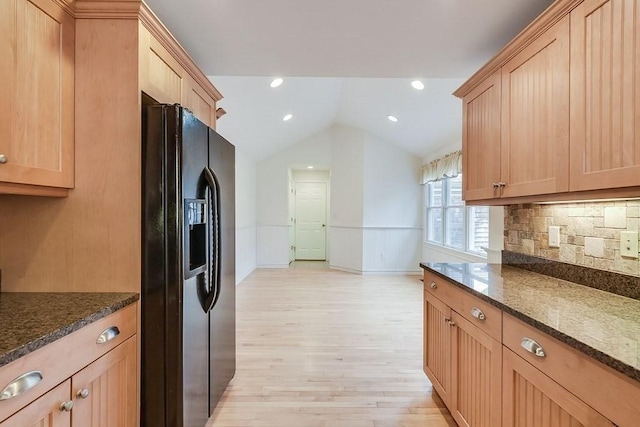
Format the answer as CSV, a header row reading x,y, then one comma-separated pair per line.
x,y
532,347
433,285
83,393
449,321
477,313
3,159
66,406
502,184
495,185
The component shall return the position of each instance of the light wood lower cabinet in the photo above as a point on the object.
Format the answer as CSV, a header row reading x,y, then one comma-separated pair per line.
x,y
437,345
464,365
93,369
104,393
531,399
476,372
44,411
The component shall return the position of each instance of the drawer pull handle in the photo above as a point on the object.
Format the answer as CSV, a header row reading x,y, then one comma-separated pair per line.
x,y
66,406
108,334
433,285
21,384
532,347
83,393
478,314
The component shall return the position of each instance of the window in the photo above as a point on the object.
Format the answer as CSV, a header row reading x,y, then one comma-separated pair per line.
x,y
450,223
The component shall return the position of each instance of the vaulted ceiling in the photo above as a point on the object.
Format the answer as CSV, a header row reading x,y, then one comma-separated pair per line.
x,y
344,62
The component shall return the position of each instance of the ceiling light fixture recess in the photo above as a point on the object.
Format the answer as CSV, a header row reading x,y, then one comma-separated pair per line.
x,y
309,167
276,82
392,118
417,85
287,117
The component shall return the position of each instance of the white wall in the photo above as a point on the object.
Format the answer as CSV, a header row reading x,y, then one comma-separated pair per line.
x,y
245,215
273,196
368,232
346,214
392,206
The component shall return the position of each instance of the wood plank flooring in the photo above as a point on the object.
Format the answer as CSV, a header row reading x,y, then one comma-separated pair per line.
x,y
325,348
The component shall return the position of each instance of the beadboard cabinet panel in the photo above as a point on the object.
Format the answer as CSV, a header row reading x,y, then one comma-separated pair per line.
x,y
605,94
535,116
481,140
437,345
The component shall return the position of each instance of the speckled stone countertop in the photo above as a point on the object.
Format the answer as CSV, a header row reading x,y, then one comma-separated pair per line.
x,y
32,320
602,325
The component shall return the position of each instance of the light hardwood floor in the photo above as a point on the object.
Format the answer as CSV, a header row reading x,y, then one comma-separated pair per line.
x,y
325,348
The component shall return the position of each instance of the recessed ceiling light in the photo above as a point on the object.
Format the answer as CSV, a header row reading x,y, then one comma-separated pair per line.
x,y
392,118
309,167
417,85
287,117
276,82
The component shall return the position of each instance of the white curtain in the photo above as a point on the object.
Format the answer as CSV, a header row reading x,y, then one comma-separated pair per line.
x,y
447,167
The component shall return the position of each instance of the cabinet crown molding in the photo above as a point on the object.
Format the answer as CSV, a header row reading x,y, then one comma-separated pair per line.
x,y
139,10
542,23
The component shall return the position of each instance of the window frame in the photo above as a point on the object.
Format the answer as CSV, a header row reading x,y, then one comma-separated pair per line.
x,y
445,206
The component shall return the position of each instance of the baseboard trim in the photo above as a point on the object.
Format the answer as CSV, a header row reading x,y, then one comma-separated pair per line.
x,y
272,266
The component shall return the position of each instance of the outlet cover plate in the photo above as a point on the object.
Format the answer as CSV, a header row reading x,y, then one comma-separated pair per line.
x,y
554,236
629,244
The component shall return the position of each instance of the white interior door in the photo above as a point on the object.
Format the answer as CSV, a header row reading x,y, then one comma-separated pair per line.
x,y
311,216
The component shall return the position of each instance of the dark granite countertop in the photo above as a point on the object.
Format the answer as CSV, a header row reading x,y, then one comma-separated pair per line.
x,y
602,325
32,320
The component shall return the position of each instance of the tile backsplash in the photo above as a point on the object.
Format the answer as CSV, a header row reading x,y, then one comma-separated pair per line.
x,y
589,232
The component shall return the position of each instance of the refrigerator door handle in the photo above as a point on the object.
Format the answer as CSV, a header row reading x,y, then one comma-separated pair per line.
x,y
215,265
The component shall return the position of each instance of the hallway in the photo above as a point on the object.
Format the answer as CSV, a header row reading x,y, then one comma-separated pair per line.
x,y
318,347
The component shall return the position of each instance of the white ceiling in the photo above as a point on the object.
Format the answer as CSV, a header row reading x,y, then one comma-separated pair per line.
x,y
352,61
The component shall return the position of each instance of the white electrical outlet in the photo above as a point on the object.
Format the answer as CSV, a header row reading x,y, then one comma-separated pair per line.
x,y
554,236
629,244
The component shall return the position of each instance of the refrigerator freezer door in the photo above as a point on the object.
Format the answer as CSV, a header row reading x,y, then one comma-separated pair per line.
x,y
195,319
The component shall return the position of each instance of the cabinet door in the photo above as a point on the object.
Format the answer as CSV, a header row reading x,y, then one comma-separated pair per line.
x,y
196,100
161,76
37,86
535,116
44,411
481,140
476,394
105,392
605,94
531,399
437,344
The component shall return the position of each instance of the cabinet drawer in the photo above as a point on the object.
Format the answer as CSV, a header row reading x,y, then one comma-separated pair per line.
x,y
62,358
607,391
482,314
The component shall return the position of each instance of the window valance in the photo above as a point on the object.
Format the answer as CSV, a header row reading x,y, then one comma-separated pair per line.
x,y
447,167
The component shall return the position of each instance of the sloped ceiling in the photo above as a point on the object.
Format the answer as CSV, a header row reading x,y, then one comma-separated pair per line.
x,y
344,61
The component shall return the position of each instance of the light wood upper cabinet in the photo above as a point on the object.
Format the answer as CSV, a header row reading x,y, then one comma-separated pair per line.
x,y
481,139
605,94
198,101
37,102
531,399
161,76
104,392
44,411
535,117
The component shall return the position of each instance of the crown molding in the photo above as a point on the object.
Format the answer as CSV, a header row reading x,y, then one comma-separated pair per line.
x,y
139,10
542,23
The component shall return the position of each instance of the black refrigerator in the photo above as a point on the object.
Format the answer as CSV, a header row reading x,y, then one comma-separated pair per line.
x,y
188,254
